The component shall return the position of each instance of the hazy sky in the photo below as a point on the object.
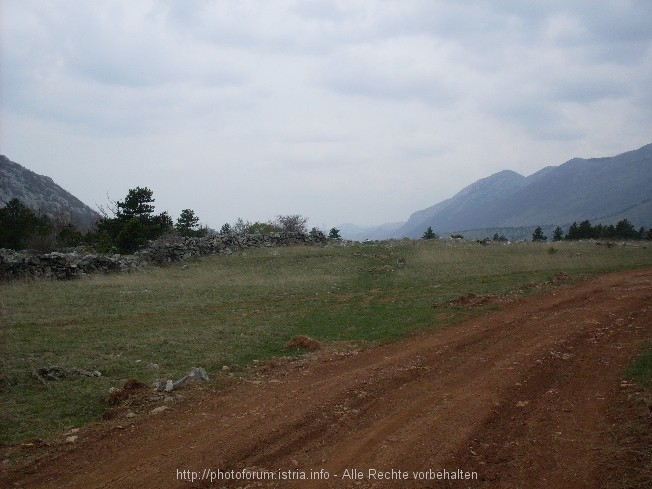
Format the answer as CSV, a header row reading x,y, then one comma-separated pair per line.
x,y
342,111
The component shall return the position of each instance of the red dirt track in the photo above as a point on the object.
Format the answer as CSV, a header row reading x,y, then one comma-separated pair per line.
x,y
526,397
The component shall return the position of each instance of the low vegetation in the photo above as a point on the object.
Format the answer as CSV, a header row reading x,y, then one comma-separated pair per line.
x,y
230,310
641,370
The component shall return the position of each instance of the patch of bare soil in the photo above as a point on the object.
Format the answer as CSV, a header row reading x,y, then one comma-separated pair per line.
x,y
529,396
302,342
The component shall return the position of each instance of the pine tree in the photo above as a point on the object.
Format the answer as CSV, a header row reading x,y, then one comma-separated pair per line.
x,y
334,233
19,225
133,223
188,224
226,230
557,234
429,234
538,235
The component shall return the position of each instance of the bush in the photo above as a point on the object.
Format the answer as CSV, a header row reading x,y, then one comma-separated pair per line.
x,y
293,223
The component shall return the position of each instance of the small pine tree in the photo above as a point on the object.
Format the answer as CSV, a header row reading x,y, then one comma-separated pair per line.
x,y
538,235
226,230
557,234
188,223
585,230
429,234
626,230
334,233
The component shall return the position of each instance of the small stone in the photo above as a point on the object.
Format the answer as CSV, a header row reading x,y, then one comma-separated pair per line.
x,y
72,439
159,409
130,414
522,403
169,386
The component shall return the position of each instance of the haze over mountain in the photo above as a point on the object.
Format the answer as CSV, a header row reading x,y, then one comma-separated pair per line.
x,y
40,194
603,190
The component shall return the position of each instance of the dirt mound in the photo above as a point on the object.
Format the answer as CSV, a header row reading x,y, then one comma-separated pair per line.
x,y
529,396
302,342
131,387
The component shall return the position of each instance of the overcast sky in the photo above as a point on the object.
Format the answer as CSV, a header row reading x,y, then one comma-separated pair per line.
x,y
342,111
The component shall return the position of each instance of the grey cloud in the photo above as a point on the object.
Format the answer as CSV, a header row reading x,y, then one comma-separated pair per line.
x,y
323,95
540,121
588,89
398,69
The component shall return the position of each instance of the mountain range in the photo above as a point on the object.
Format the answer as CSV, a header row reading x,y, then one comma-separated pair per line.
x,y
41,195
602,190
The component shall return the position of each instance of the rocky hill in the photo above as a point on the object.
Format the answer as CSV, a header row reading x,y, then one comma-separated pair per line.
x,y
40,194
603,190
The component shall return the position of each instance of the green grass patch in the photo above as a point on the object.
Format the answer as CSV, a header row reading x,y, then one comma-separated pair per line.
x,y
230,310
641,370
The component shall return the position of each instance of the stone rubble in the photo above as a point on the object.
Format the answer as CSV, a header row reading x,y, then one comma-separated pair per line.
x,y
196,374
62,266
54,373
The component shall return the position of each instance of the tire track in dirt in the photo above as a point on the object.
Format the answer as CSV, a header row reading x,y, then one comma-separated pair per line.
x,y
520,396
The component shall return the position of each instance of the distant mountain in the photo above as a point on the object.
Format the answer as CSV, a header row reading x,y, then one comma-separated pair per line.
x,y
40,194
602,190
361,233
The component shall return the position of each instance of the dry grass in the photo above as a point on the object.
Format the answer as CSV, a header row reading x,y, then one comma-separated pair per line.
x,y
230,310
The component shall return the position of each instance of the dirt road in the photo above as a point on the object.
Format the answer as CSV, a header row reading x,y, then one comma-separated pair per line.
x,y
530,396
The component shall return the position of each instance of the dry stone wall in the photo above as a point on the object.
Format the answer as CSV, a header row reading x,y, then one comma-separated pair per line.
x,y
57,265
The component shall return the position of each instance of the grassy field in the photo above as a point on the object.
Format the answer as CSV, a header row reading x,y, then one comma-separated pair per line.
x,y
230,310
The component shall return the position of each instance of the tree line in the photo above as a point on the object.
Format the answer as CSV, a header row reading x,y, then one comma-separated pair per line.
x,y
624,229
126,226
